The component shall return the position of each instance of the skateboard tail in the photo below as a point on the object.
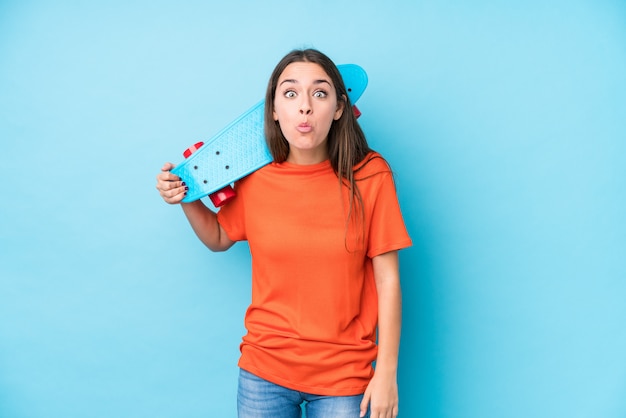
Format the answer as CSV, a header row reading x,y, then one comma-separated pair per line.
x,y
234,152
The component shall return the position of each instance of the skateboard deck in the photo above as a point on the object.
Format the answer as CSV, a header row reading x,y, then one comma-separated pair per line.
x,y
240,148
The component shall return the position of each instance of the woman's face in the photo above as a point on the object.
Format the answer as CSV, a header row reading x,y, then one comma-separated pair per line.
x,y
305,106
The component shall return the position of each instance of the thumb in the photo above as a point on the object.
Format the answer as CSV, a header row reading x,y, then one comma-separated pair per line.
x,y
364,403
167,167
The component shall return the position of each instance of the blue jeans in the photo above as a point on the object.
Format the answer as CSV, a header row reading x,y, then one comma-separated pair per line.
x,y
258,398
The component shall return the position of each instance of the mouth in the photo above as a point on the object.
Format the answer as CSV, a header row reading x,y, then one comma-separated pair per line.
x,y
304,128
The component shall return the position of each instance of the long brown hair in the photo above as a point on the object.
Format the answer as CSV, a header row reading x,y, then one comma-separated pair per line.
x,y
346,143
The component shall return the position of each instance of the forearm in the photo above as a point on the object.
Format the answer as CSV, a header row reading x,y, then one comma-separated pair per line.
x,y
382,392
204,223
389,312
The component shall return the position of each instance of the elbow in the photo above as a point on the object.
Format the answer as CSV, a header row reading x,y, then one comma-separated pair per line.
x,y
219,248
220,243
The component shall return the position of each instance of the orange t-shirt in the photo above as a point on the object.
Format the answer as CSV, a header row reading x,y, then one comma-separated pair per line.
x,y
311,325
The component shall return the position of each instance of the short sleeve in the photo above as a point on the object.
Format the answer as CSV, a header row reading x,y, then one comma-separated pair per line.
x,y
231,217
387,230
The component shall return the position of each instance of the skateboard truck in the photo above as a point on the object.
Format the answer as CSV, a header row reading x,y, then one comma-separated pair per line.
x,y
222,196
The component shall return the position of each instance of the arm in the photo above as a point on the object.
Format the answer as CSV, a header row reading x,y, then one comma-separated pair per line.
x,y
202,220
382,391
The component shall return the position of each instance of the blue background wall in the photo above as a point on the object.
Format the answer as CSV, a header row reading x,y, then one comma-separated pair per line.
x,y
504,123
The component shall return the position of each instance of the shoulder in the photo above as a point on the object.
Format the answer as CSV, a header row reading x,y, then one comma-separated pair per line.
x,y
258,174
372,164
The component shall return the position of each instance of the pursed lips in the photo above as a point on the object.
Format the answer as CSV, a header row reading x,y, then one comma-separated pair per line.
x,y
304,128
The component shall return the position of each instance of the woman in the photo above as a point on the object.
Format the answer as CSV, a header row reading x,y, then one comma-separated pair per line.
x,y
324,227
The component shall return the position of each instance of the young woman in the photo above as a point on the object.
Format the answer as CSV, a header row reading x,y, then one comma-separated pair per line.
x,y
324,226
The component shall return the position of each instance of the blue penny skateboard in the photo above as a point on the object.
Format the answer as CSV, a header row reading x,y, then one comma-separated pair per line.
x,y
240,148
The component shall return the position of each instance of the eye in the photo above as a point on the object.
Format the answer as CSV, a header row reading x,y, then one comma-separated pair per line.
x,y
290,94
320,94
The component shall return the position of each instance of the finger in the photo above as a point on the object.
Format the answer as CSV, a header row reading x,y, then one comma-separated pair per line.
x,y
364,403
165,172
167,167
167,185
167,175
171,189
177,198
174,196
170,180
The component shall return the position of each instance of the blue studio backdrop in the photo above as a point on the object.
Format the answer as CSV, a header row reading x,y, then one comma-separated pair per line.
x,y
503,121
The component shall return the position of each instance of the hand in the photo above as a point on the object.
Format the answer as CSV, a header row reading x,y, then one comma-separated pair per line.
x,y
170,187
382,396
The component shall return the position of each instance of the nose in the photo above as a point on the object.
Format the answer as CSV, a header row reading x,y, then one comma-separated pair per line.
x,y
305,107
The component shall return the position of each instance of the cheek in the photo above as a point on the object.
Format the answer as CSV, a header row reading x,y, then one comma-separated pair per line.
x,y
279,111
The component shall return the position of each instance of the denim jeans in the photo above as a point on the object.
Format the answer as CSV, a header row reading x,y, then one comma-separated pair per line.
x,y
258,398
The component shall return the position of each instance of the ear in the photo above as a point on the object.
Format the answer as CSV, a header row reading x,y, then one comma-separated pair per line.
x,y
275,116
341,105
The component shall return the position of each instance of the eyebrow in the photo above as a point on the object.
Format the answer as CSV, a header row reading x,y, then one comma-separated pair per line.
x,y
291,80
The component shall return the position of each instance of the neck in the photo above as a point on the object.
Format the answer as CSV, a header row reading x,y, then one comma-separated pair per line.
x,y
307,158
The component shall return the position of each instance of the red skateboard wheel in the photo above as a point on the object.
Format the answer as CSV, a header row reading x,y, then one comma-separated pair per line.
x,y
356,111
220,197
192,149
